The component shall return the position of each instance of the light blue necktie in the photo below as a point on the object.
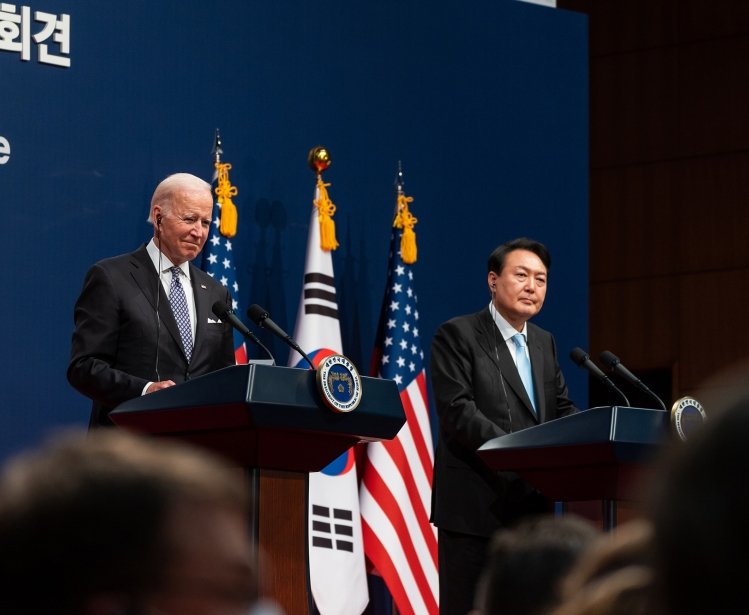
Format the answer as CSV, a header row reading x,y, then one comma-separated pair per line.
x,y
178,301
524,366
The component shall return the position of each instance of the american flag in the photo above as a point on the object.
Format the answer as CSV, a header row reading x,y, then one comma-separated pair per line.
x,y
218,262
396,487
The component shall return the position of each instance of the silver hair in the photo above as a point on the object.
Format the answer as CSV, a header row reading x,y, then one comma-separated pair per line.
x,y
164,192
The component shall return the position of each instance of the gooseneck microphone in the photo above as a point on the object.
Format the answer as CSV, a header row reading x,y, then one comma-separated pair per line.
x,y
222,311
582,359
610,360
262,319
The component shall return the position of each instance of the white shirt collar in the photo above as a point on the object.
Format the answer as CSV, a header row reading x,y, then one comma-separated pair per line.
x,y
166,264
505,328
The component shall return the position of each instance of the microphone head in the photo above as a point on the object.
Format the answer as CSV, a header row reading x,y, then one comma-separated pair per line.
x,y
579,356
609,359
256,314
220,309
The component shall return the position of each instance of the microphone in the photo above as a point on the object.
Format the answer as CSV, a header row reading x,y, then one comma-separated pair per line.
x,y
582,359
222,311
610,360
262,319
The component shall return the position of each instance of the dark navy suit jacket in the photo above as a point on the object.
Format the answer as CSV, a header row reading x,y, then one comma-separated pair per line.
x,y
479,396
120,344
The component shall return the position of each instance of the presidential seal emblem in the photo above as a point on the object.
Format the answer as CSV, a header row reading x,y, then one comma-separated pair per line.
x,y
687,415
339,383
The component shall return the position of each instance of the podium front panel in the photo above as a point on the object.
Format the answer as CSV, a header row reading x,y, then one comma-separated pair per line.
x,y
594,454
265,416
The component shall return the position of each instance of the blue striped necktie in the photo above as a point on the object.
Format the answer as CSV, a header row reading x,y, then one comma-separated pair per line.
x,y
524,366
178,300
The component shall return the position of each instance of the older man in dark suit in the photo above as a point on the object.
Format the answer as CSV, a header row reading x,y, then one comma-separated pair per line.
x,y
492,373
144,320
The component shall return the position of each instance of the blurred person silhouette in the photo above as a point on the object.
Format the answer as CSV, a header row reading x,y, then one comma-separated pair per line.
x,y
526,563
627,591
114,524
614,577
700,507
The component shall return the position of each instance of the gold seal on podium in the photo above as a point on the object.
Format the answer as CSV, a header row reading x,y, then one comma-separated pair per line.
x,y
687,415
339,383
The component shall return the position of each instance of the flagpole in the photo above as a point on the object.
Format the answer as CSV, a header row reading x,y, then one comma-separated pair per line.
x,y
395,490
217,149
337,571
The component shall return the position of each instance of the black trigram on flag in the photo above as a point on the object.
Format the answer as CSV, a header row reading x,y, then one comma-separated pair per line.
x,y
319,295
332,532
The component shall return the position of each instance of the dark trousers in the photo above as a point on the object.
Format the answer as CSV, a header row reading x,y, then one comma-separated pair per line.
x,y
462,558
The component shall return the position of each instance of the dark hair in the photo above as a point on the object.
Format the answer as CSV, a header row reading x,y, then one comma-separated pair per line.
x,y
88,514
527,562
700,508
497,257
615,576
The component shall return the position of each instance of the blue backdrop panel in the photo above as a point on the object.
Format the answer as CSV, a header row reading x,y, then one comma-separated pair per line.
x,y
485,104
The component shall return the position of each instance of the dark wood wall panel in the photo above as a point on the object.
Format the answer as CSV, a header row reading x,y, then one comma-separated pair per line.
x,y
712,323
618,26
669,217
644,306
633,107
713,216
713,91
687,320
701,19
669,193
632,232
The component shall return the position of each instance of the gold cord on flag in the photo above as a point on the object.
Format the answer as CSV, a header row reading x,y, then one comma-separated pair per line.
x,y
224,192
405,220
319,160
325,211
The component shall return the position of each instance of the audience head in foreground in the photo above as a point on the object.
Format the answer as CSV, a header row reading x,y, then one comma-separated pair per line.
x,y
700,510
526,563
615,576
114,524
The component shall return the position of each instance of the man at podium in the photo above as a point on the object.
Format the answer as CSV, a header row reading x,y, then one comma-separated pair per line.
x,y
493,373
144,320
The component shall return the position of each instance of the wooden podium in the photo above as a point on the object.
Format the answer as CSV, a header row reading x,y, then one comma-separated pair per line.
x,y
597,454
270,420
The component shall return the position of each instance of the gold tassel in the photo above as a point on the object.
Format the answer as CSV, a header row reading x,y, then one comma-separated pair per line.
x,y
224,192
325,211
405,220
